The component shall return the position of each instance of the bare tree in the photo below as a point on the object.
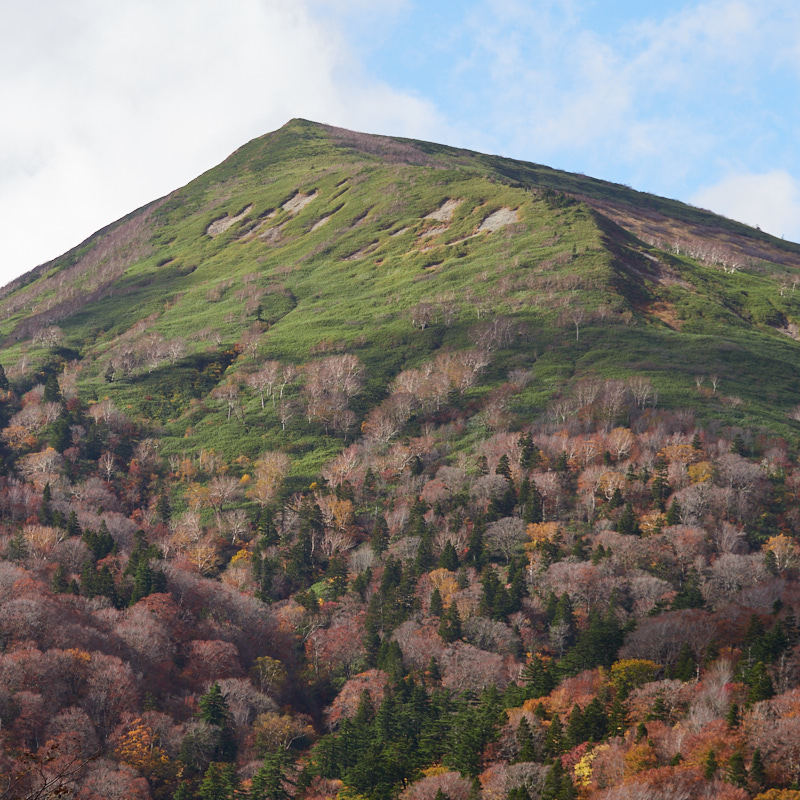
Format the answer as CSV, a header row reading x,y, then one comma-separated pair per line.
x,y
236,525
506,535
265,379
228,393
176,348
288,375
270,470
222,490
422,315
106,464
286,412
330,383
642,390
577,315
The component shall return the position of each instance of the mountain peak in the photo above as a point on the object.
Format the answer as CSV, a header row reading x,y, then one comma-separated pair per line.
x,y
327,239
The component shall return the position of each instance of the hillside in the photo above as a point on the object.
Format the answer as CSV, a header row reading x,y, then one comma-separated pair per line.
x,y
313,240
370,467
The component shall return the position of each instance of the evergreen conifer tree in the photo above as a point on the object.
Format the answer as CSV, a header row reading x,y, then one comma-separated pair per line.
x,y
450,626
436,603
17,549
737,774
59,581
214,711
220,782
503,467
525,743
52,392
270,782
710,765
449,558
685,668
532,510
627,522
674,513
539,681
759,683
616,499
554,738
45,511
757,772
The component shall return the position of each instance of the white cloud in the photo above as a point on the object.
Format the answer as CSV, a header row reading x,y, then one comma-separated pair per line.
x,y
770,200
106,106
655,101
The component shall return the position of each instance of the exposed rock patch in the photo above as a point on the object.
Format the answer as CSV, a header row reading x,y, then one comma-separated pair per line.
x,y
445,212
433,231
498,219
271,235
219,226
298,202
791,330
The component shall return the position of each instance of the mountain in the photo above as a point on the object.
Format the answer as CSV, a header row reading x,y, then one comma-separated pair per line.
x,y
364,467
314,240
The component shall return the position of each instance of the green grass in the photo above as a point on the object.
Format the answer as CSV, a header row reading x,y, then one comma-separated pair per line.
x,y
350,285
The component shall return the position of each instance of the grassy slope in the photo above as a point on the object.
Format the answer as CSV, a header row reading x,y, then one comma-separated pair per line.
x,y
352,282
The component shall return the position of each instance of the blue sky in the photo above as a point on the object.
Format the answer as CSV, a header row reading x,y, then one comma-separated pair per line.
x,y
108,105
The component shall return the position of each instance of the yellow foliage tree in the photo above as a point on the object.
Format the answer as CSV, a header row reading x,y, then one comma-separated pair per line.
x,y
583,769
639,758
540,532
629,673
139,748
186,470
784,549
337,514
241,554
435,769
700,472
268,674
680,453
445,581
651,522
196,496
609,482
270,470
274,732
204,558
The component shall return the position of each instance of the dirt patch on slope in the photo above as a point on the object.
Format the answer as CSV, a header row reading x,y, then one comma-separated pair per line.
x,y
666,313
433,231
298,202
499,219
791,330
445,212
219,226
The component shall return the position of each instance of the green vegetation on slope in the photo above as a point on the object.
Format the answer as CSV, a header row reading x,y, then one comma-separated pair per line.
x,y
311,241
